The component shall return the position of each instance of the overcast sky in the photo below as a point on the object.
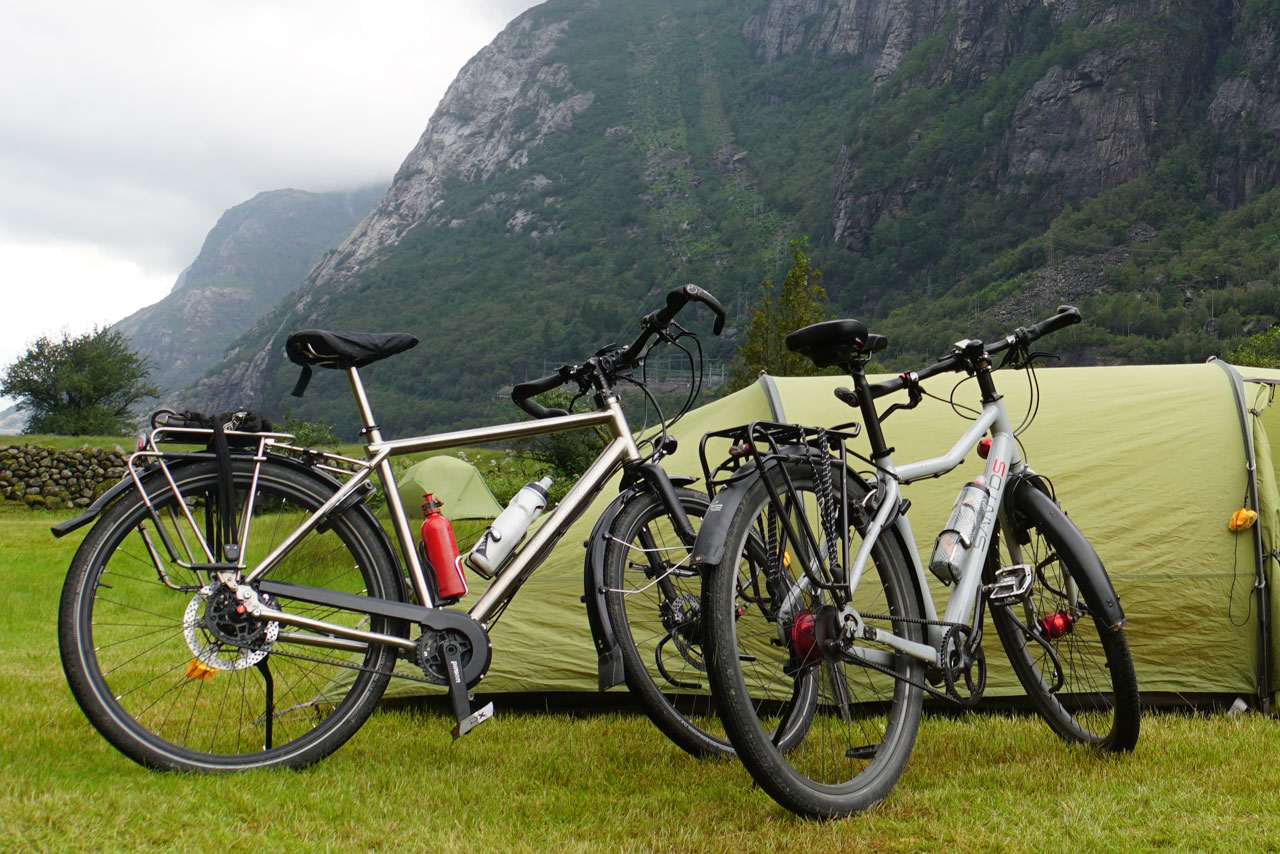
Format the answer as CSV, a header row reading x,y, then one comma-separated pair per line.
x,y
128,127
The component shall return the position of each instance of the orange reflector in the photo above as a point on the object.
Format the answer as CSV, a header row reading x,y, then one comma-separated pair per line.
x,y
786,560
199,670
1242,519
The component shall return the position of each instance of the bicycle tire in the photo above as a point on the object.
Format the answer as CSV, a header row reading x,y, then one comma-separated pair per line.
x,y
654,602
1076,669
168,677
863,726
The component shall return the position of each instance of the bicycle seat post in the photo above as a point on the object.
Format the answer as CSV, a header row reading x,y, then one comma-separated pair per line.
x,y
368,427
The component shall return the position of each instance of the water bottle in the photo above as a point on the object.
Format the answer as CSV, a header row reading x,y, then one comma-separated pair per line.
x,y
953,543
506,532
442,551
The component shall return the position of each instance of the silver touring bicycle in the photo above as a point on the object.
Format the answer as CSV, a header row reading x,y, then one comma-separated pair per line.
x,y
818,617
240,606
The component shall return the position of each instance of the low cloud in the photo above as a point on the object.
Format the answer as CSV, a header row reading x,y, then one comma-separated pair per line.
x,y
130,126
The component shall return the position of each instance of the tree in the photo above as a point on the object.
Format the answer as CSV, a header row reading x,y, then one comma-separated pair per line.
x,y
86,384
1259,351
798,304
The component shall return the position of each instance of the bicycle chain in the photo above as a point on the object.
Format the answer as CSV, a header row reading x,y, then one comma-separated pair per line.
x,y
361,668
919,621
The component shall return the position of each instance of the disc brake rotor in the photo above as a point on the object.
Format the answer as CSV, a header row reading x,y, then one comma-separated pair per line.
x,y
221,635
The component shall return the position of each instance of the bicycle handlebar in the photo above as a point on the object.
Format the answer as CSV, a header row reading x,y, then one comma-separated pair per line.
x,y
958,358
653,323
523,391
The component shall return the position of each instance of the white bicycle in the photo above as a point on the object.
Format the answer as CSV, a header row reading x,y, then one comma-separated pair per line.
x,y
817,611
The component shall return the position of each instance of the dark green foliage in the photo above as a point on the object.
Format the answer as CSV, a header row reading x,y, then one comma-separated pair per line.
x,y
311,434
1259,351
81,385
798,303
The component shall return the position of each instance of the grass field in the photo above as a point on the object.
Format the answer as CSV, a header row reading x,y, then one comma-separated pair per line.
x,y
577,781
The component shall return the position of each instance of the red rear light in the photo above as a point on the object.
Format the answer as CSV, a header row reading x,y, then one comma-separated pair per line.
x,y
804,638
984,448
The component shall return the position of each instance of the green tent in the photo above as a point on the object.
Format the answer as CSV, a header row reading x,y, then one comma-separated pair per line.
x,y
456,483
1149,461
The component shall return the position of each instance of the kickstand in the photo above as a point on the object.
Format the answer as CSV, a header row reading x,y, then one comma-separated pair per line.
x,y
467,720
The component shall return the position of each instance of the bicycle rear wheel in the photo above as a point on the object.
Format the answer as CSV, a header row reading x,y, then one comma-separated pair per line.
x,y
771,629
1075,667
177,679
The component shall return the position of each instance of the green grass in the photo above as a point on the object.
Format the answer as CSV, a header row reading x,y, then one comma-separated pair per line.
x,y
593,781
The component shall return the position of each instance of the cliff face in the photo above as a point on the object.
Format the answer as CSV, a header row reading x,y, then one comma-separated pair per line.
x,y
257,253
506,101
1087,124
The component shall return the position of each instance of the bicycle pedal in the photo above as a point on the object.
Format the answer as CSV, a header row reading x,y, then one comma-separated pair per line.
x,y
1011,585
473,720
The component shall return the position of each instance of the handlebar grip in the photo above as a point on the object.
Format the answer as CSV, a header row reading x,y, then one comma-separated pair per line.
x,y
678,299
1067,315
521,393
693,293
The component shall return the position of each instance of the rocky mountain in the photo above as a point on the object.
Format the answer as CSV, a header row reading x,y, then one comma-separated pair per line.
x,y
257,253
956,165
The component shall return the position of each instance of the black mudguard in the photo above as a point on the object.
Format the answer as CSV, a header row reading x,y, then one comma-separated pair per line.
x,y
609,661
1031,490
708,550
102,502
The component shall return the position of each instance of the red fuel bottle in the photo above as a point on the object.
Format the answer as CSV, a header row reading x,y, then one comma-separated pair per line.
x,y
442,551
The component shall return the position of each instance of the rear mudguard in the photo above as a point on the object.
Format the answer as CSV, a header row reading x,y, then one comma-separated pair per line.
x,y
152,478
1029,489
602,633
102,502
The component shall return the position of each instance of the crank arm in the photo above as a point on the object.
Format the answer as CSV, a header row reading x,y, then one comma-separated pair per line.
x,y
458,697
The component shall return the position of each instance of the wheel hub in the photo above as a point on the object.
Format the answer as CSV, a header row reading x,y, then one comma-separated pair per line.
x,y
222,634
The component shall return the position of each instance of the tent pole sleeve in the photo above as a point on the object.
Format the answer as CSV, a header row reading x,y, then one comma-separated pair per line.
x,y
773,398
1260,574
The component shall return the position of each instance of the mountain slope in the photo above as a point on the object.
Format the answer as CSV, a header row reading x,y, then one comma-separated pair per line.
x,y
257,253
957,164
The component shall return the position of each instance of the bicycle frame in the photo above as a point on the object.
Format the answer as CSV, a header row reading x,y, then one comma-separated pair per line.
x,y
621,448
1003,461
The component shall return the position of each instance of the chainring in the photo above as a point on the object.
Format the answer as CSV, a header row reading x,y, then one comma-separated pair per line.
x,y
430,653
963,662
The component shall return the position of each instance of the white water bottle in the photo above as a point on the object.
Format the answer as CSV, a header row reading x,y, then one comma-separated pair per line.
x,y
953,543
506,532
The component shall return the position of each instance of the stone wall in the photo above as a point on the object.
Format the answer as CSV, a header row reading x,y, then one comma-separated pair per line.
x,y
43,477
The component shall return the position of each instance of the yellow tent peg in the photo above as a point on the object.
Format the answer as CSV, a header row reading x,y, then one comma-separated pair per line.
x,y
197,669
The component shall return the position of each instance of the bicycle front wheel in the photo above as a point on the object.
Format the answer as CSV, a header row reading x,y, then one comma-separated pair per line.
x,y
774,636
1075,667
654,602
173,676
